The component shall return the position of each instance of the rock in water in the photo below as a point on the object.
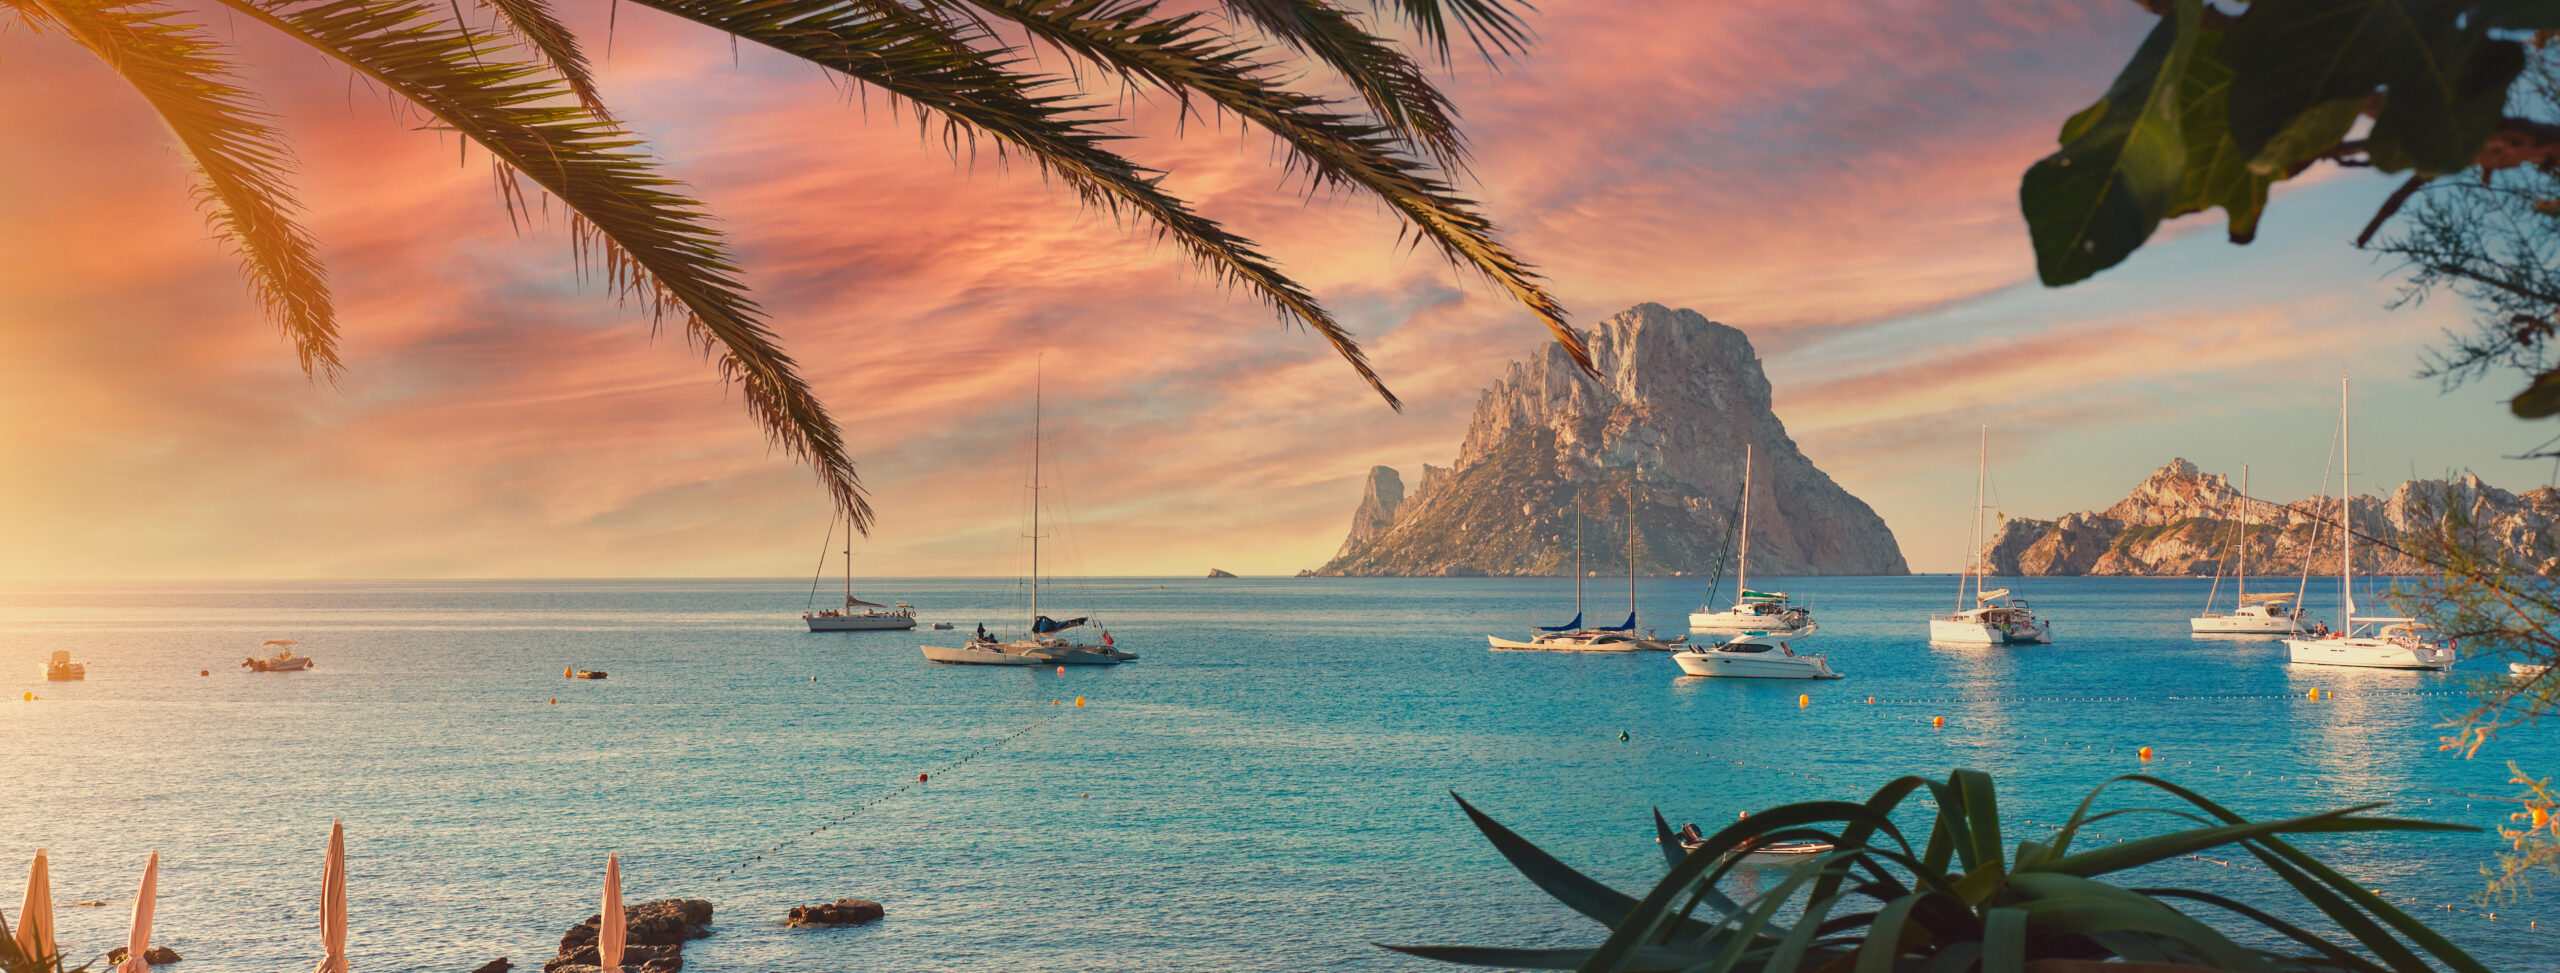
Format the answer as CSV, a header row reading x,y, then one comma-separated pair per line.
x,y
842,912
2180,520
499,965
655,933
156,955
1676,399
1216,573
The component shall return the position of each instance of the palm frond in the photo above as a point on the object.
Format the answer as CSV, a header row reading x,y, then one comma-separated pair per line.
x,y
1489,24
1394,86
978,93
655,244
532,23
1178,54
240,163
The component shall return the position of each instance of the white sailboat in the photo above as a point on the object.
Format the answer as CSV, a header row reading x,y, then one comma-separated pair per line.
x,y
2389,642
1043,646
1573,636
2277,614
1756,611
1995,618
857,615
1756,655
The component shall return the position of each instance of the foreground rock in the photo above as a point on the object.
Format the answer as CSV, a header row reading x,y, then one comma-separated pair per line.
x,y
653,941
156,955
843,912
1677,398
2179,522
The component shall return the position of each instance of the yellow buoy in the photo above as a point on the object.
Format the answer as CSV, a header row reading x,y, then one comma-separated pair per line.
x,y
1937,721
1079,700
1804,699
31,697
2146,753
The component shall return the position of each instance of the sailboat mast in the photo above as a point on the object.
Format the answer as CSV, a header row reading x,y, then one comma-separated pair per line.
x,y
1973,555
1577,555
1036,379
1742,564
848,566
2346,512
2240,591
1631,549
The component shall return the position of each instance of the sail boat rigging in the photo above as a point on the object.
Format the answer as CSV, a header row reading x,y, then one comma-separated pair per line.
x,y
1754,611
1995,617
856,615
2275,614
2393,642
1573,636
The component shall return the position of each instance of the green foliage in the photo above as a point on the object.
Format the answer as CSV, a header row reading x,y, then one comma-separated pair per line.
x,y
2214,108
1875,902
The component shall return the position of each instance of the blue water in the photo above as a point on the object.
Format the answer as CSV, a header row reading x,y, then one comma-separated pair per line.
x,y
1267,789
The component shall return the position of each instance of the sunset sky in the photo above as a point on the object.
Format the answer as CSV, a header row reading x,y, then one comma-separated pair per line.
x,y
1837,180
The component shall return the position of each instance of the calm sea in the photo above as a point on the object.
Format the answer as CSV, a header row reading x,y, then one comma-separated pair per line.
x,y
1268,789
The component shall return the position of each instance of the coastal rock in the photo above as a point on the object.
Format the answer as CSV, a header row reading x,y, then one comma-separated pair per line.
x,y
1216,573
156,955
499,965
664,922
2180,521
640,959
842,912
1306,573
1676,399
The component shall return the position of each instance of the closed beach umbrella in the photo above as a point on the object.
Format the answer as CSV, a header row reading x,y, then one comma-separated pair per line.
x,y
609,929
35,913
138,941
333,903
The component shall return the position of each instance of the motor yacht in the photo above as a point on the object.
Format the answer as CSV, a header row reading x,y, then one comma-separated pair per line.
x,y
282,661
60,668
1756,655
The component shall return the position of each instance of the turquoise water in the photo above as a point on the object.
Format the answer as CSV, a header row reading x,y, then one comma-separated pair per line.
x,y
1267,789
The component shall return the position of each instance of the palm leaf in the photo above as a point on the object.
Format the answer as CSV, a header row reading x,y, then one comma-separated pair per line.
x,y
1392,84
240,162
655,244
1178,54
532,23
928,63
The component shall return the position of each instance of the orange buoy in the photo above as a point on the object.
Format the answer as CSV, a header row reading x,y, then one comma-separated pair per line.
x,y
568,673
204,672
1079,700
1804,699
1062,670
2541,818
920,778
1937,721
1871,700
2146,754
555,700
31,697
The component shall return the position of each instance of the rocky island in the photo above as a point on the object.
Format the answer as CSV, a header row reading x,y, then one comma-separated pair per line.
x,y
1657,436
2180,520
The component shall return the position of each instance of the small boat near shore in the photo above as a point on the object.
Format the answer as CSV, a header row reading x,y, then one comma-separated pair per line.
x,y
60,668
582,673
282,661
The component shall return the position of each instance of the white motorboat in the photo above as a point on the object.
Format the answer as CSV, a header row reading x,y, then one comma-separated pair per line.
x,y
857,615
2527,670
2400,643
60,668
1756,655
1996,618
1756,611
282,661
2262,615
1042,646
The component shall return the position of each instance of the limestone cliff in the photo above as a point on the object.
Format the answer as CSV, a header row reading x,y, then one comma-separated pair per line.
x,y
2180,521
1658,436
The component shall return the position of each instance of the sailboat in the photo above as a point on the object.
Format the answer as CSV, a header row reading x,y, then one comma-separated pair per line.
x,y
2393,643
1043,646
1757,611
1572,636
1995,618
857,615
2276,614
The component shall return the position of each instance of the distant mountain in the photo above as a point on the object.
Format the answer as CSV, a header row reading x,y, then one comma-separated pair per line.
x,y
1677,397
2178,521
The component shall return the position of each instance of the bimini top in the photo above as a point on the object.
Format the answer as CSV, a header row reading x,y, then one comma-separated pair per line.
x,y
1750,595
277,642
1991,594
2254,599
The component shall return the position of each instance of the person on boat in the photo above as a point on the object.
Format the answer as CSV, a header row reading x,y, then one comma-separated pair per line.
x,y
2320,629
982,633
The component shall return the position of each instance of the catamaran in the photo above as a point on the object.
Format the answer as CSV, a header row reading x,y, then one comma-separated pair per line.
x,y
1043,646
2395,642
1995,618
2277,614
857,615
1757,611
1572,636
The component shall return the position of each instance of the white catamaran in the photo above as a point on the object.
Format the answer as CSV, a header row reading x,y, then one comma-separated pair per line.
x,y
2277,614
1572,636
1756,611
1043,646
2387,643
857,615
1995,617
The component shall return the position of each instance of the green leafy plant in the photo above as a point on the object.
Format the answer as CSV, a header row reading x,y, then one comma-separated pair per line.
x,y
2216,107
1875,902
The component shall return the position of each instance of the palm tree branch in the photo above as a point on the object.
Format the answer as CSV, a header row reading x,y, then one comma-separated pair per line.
x,y
1177,54
655,244
532,22
241,164
977,93
1489,24
1394,85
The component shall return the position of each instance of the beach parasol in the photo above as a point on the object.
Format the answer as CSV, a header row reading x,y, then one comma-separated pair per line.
x,y
35,914
333,903
609,928
138,941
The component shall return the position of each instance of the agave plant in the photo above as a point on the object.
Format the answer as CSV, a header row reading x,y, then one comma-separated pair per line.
x,y
512,78
1875,903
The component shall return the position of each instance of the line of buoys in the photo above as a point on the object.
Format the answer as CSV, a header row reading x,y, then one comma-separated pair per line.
x,y
888,795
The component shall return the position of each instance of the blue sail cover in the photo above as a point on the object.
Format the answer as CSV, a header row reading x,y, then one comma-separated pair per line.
x,y
1044,625
1629,626
1574,625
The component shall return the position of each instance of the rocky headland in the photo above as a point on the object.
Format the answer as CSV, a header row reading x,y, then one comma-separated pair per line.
x,y
1656,436
2180,521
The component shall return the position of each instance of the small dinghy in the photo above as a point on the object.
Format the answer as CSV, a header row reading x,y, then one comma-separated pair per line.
x,y
2525,669
583,673
61,669
1773,853
283,661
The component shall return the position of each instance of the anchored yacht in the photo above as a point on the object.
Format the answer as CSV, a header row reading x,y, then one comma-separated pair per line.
x,y
1756,611
2398,643
1756,655
1996,618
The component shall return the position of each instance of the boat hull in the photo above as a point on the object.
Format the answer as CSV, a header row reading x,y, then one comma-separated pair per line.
x,y
70,673
976,655
272,665
1501,644
859,623
2367,653
2243,625
1735,665
1964,632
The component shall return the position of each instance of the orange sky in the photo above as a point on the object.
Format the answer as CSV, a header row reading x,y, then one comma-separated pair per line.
x,y
1837,180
